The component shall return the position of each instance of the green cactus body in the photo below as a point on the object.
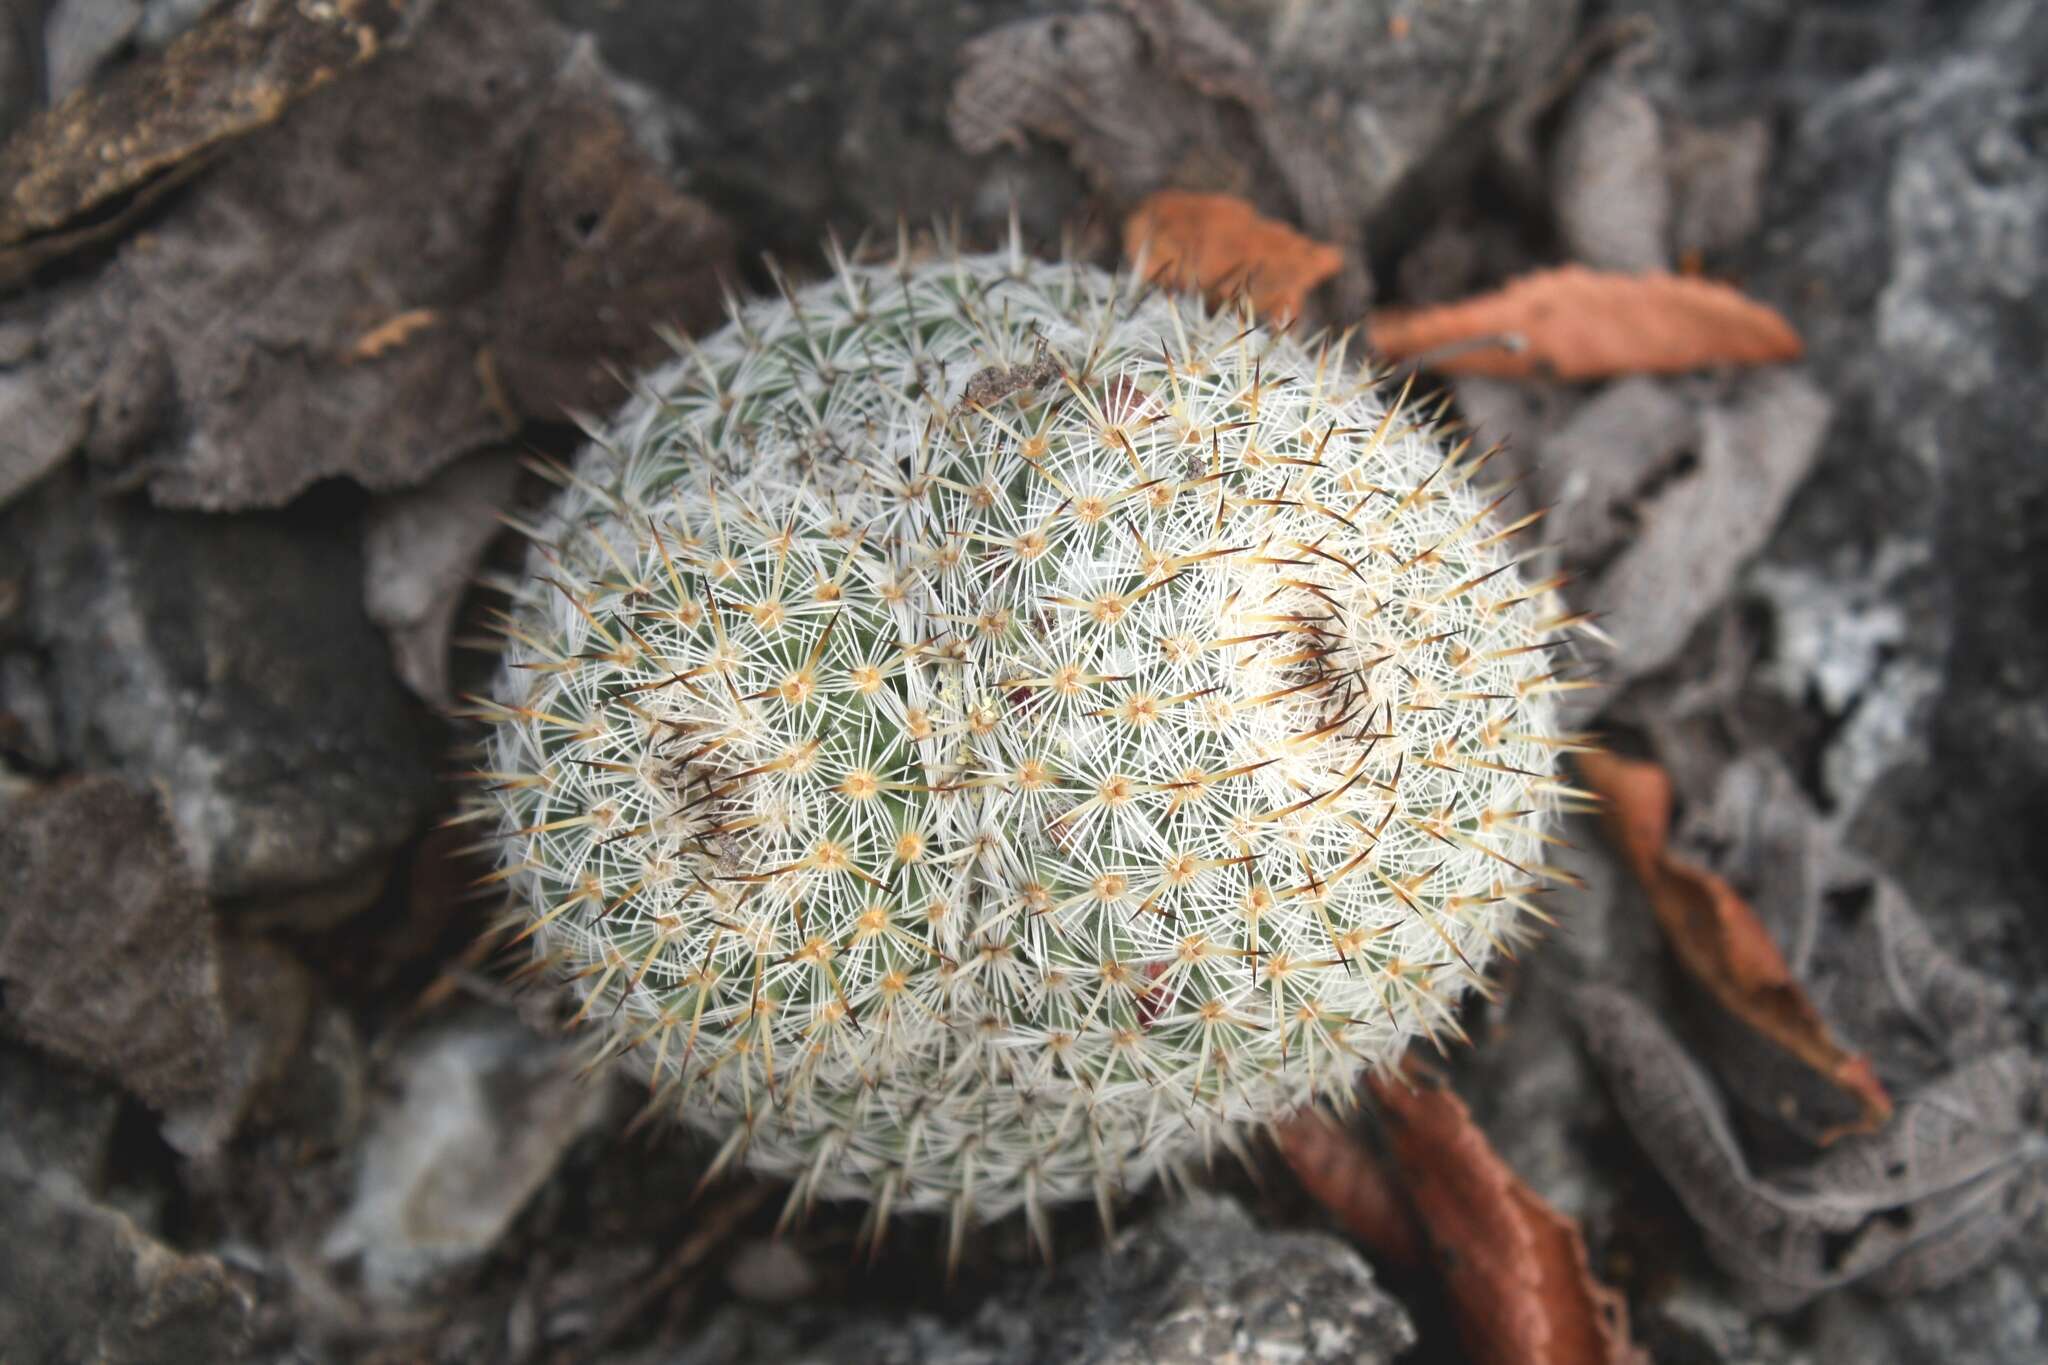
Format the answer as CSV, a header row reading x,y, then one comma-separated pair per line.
x,y
977,734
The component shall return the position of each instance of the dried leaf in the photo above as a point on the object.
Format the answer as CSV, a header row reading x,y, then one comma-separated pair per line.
x,y
1218,244
233,73
1069,78
391,333
1728,952
1885,980
1353,1184
1516,1268
1207,121
1584,324
1757,441
1959,1170
1609,190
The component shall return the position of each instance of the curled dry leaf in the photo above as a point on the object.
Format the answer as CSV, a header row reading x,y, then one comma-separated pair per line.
x,y
1516,1268
1218,244
1942,1188
1726,950
1207,119
1577,323
1353,1184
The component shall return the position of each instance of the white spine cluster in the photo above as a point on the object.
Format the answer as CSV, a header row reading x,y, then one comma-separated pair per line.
x,y
976,733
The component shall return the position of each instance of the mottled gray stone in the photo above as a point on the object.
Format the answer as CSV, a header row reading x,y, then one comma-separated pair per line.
x,y
420,553
58,1117
1909,240
228,660
1198,1283
81,1282
341,295
478,1113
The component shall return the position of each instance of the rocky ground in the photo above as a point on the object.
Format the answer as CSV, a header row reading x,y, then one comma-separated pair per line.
x,y
265,379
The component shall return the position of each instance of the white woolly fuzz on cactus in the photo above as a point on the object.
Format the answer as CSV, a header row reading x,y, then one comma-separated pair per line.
x,y
976,734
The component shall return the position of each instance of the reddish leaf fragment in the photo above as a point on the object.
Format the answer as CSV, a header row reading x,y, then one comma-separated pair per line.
x,y
1721,943
1218,244
1354,1185
1577,323
1516,1268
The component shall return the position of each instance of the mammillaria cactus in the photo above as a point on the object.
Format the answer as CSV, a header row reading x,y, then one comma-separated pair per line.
x,y
977,733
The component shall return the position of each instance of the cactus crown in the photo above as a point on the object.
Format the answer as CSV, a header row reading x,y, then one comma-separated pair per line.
x,y
976,733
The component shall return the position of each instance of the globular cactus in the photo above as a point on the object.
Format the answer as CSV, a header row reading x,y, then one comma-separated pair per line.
x,y
978,733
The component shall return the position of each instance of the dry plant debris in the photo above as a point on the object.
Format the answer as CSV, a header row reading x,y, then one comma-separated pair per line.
x,y
1725,949
1515,1268
1357,1188
1207,120
1218,245
1576,323
1960,1170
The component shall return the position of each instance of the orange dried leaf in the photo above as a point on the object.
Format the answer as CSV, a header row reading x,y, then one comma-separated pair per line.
x,y
1218,244
1341,1175
1720,942
1516,1269
392,333
1589,324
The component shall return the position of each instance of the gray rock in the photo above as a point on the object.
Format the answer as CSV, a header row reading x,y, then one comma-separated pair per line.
x,y
45,410
80,1282
107,948
229,660
163,20
420,553
787,132
79,35
58,1118
1909,238
1995,1318
1198,1283
770,1271
19,84
339,295
110,958
479,1113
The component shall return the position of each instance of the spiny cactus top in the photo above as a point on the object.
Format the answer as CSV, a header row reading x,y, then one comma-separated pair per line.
x,y
975,733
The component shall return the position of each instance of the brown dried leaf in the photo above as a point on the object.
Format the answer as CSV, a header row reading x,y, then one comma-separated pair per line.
x,y
391,333
1207,119
233,73
1218,244
1353,1184
1917,1205
1726,950
1577,323
1516,1268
